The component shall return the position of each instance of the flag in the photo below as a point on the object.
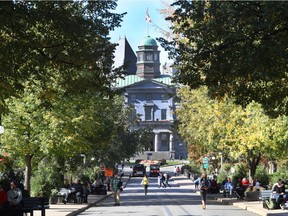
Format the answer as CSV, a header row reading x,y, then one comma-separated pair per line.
x,y
148,19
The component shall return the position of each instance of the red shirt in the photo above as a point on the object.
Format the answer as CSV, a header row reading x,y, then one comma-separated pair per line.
x,y
3,197
245,182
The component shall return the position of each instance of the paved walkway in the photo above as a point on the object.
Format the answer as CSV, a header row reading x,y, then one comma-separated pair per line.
x,y
183,182
252,206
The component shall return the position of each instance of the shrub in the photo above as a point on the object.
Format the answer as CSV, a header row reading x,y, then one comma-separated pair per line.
x,y
241,171
45,178
283,175
262,175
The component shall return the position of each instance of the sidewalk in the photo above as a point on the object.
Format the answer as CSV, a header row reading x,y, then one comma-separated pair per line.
x,y
251,206
71,209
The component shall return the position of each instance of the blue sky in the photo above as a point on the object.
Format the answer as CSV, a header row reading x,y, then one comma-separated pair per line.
x,y
134,25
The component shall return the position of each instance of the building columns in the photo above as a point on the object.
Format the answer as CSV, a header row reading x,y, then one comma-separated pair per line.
x,y
171,142
156,142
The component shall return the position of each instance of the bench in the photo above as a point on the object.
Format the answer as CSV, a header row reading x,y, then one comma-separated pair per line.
x,y
31,204
63,192
265,194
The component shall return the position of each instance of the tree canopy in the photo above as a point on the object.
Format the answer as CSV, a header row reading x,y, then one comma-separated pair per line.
x,y
246,135
235,48
66,41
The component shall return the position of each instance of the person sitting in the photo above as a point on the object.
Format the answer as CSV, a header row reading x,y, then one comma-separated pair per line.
x,y
214,188
75,191
3,200
14,199
228,187
86,190
245,183
238,188
278,192
257,184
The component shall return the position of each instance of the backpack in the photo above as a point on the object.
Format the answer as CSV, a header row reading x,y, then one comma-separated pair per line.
x,y
269,204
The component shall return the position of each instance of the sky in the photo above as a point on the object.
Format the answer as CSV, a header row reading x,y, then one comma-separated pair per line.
x,y
134,26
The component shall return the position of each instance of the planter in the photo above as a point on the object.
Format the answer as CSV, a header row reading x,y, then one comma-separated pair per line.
x,y
252,195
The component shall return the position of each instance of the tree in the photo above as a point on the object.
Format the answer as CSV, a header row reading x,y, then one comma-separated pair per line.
x,y
244,134
62,40
236,49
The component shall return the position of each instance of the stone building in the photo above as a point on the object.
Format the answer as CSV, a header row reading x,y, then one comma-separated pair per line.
x,y
153,96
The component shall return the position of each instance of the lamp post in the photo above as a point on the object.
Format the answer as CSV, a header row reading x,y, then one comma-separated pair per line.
x,y
221,159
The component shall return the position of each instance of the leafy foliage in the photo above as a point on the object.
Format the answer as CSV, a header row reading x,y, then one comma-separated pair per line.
x,y
62,41
244,135
235,48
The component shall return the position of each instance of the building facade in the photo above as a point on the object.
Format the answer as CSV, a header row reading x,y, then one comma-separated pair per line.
x,y
152,94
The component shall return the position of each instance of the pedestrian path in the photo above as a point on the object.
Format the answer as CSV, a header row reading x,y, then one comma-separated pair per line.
x,y
183,182
251,206
71,209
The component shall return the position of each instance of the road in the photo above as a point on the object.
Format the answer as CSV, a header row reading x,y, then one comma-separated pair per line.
x,y
161,202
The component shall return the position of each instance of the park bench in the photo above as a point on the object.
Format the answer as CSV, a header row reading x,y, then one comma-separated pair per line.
x,y
31,204
63,193
265,194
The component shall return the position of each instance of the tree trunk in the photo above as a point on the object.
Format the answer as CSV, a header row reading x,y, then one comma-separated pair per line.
x,y
253,161
28,172
61,163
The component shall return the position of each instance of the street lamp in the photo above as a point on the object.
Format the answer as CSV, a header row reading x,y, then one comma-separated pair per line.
x,y
221,159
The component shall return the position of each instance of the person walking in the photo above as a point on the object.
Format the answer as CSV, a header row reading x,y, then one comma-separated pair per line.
x,y
145,183
116,186
159,180
204,186
167,179
162,180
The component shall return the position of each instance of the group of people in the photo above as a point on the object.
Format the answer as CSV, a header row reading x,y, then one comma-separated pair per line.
x,y
11,201
163,180
76,191
117,185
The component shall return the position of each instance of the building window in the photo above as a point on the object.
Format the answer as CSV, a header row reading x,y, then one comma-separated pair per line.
x,y
140,56
164,136
156,56
148,113
163,114
133,98
164,98
149,56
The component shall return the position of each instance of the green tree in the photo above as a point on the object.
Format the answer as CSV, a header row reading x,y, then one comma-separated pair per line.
x,y
62,40
234,48
245,135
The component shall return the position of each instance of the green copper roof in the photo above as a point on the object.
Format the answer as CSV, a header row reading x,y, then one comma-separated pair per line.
x,y
148,41
132,79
